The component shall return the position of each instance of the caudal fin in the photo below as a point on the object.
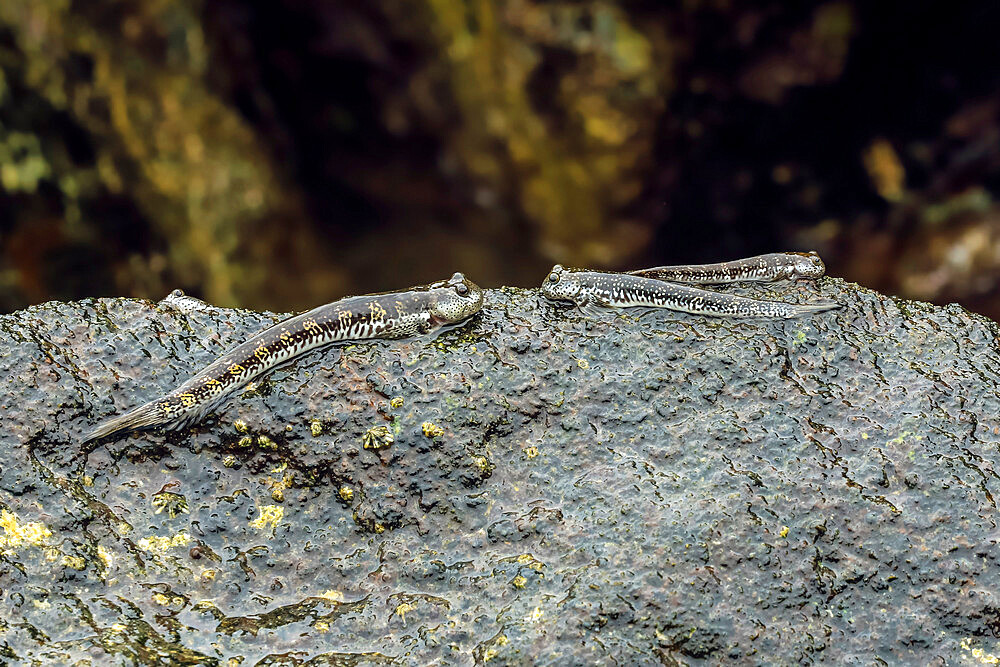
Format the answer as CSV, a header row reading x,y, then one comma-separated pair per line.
x,y
142,417
798,310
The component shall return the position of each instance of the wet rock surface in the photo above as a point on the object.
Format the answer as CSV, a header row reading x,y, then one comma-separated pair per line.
x,y
534,487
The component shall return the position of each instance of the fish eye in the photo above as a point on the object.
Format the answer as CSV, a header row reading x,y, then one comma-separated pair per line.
x,y
462,289
553,277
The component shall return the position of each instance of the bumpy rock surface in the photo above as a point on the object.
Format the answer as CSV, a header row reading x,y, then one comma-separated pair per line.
x,y
538,487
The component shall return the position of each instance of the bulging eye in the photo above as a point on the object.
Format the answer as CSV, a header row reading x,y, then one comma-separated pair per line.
x,y
553,277
462,289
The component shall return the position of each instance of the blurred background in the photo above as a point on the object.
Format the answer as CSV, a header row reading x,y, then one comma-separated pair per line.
x,y
281,155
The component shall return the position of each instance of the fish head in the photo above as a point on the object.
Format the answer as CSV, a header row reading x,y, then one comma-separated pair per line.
x,y
561,284
806,265
454,300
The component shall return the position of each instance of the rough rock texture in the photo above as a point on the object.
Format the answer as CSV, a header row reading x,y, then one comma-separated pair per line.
x,y
645,488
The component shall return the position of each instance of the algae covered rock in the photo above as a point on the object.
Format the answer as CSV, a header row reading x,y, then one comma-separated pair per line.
x,y
534,487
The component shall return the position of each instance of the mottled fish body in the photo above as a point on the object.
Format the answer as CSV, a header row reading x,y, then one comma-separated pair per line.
x,y
761,268
417,310
623,290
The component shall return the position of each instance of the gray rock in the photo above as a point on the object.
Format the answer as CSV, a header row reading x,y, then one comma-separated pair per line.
x,y
645,488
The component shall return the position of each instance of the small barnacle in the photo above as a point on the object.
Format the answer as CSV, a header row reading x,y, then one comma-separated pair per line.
x,y
316,428
174,503
346,493
396,402
431,430
266,442
377,437
240,426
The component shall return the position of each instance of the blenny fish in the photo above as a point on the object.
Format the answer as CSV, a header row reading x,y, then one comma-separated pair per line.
x,y
624,290
417,310
761,268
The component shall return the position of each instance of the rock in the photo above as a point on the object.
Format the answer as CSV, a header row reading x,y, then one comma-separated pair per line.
x,y
647,487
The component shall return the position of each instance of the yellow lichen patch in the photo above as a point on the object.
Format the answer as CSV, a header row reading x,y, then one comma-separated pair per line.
x,y
535,616
396,402
316,428
978,655
161,599
107,558
404,609
519,581
16,533
377,437
240,426
431,430
531,561
269,517
74,562
583,363
332,595
346,493
531,452
157,544
482,463
885,170
245,441
266,442
321,626
784,531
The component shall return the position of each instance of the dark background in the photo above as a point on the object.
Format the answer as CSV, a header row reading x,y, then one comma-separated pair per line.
x,y
281,155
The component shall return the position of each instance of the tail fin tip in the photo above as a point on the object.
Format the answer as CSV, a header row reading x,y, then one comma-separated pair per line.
x,y
142,417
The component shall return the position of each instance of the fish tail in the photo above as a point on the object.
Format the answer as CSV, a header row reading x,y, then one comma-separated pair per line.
x,y
142,417
798,310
